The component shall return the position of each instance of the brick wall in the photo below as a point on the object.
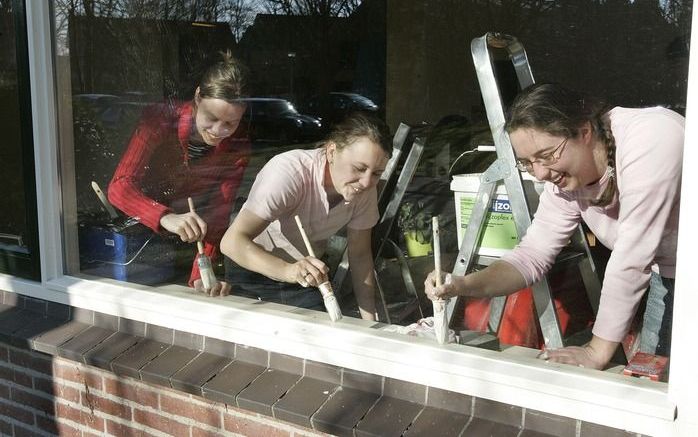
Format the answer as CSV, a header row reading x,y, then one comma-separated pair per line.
x,y
40,394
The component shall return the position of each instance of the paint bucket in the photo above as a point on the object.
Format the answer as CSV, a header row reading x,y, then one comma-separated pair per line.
x,y
499,235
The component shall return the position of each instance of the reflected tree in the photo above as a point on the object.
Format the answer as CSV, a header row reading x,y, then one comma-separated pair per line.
x,y
321,8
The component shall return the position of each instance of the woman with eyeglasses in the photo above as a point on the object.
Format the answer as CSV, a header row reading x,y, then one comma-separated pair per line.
x,y
619,170
196,149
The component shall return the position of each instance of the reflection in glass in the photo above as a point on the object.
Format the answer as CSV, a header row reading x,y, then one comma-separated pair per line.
x,y
404,62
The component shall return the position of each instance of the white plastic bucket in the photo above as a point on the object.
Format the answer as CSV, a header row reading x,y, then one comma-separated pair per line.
x,y
499,235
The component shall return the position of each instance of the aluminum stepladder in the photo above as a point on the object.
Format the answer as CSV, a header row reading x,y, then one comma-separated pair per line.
x,y
387,219
504,169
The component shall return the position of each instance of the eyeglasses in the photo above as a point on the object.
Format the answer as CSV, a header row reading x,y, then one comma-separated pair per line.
x,y
545,160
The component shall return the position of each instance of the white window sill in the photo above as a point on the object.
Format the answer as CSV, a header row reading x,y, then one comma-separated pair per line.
x,y
514,378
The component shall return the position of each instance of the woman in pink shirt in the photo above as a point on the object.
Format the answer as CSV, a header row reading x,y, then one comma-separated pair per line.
x,y
619,170
327,187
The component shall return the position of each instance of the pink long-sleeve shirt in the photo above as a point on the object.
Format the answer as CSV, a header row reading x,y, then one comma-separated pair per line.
x,y
640,225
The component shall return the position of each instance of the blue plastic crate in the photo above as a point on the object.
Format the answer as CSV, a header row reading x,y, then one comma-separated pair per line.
x,y
131,253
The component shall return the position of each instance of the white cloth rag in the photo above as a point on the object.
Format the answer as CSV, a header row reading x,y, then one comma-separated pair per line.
x,y
421,328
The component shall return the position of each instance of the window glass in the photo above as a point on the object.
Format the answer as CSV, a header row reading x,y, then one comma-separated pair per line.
x,y
18,251
142,140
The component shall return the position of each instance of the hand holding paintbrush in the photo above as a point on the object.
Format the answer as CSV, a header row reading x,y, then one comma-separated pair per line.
x,y
208,278
440,315
328,296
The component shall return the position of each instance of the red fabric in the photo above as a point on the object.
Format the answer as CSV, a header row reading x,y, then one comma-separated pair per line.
x,y
155,175
519,325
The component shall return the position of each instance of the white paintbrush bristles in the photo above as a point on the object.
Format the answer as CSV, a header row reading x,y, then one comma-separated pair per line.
x,y
331,304
440,321
208,278
440,316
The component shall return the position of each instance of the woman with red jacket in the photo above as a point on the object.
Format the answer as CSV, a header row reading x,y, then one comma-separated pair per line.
x,y
196,149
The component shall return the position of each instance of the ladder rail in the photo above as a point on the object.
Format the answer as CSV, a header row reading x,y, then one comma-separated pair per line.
x,y
506,160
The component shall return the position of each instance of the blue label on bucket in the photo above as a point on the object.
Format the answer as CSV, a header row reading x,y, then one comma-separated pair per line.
x,y
500,205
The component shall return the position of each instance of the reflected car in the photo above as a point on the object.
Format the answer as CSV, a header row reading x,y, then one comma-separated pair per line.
x,y
277,120
110,111
333,107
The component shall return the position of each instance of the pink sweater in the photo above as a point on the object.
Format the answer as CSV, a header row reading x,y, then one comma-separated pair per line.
x,y
640,226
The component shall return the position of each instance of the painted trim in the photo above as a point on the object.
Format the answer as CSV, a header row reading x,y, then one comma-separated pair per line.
x,y
599,397
591,396
48,192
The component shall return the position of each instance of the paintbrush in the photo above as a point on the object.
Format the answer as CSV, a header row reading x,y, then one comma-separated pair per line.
x,y
440,316
208,278
103,199
328,296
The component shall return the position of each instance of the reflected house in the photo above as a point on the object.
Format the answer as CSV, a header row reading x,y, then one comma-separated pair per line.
x,y
297,57
160,58
632,60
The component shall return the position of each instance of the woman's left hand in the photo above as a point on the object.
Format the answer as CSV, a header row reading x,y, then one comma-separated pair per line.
x,y
594,355
221,288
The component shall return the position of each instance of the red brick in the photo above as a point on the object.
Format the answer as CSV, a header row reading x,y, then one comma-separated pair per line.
x,y
47,424
19,414
22,378
80,416
66,412
160,423
5,428
212,404
31,400
20,431
15,376
66,430
39,363
75,373
4,392
4,354
199,413
94,402
6,373
58,390
198,432
250,427
127,390
118,429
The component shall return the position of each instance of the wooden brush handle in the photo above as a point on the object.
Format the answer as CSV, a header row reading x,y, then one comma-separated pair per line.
x,y
199,243
305,237
436,249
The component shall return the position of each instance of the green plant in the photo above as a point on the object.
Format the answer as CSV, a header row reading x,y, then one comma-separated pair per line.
x,y
412,219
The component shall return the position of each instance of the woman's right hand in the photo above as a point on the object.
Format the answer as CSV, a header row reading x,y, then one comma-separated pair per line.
x,y
444,291
309,272
189,226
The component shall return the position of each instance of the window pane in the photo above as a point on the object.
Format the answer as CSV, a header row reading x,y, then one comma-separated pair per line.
x,y
18,220
129,72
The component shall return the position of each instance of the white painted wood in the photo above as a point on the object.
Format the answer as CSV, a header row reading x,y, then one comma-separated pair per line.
x,y
683,380
43,102
600,397
605,398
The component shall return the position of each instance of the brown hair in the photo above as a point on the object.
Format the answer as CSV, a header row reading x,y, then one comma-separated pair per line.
x,y
357,125
560,111
223,80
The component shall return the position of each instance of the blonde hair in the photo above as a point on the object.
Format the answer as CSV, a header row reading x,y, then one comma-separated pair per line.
x,y
358,125
223,80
